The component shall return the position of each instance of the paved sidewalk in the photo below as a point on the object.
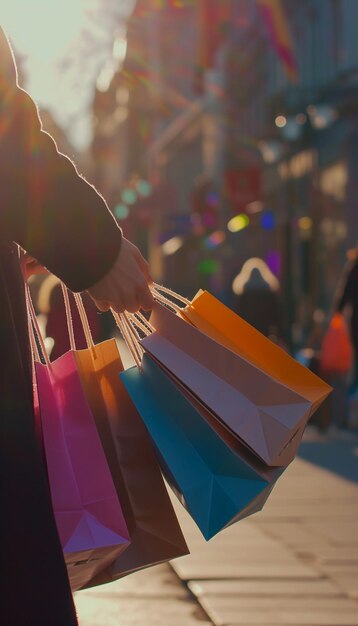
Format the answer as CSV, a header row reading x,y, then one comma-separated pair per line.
x,y
293,564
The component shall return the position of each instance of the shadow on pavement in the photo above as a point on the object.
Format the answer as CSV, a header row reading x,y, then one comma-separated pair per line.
x,y
340,457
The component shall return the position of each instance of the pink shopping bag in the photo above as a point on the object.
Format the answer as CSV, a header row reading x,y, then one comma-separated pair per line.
x,y
88,514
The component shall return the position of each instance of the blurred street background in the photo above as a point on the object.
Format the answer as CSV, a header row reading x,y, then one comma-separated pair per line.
x,y
224,136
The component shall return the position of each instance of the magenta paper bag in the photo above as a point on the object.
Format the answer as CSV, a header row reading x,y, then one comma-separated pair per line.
x,y
88,515
263,413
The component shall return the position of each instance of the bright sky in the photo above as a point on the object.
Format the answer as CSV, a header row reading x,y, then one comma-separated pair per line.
x,y
65,44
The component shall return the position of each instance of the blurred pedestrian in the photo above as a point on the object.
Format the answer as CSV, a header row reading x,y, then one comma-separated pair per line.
x,y
257,300
60,220
347,301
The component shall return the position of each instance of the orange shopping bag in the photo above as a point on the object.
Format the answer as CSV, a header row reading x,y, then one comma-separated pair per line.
x,y
336,352
211,316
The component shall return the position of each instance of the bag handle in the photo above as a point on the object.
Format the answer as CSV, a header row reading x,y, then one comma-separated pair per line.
x,y
129,335
164,299
166,302
133,334
69,320
158,289
141,322
34,330
83,316
84,319
34,347
130,323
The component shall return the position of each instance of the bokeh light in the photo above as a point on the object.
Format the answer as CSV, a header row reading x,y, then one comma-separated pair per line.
x,y
121,211
239,222
305,223
215,239
144,188
280,121
268,220
208,266
172,245
129,196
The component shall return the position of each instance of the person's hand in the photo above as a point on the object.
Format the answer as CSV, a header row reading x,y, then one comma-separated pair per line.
x,y
126,286
31,266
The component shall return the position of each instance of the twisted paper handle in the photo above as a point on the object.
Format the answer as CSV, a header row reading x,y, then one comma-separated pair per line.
x,y
131,323
84,319
83,316
141,322
163,299
160,288
34,331
133,337
129,335
71,333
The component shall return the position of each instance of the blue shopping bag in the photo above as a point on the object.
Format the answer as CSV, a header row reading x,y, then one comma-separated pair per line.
x,y
214,476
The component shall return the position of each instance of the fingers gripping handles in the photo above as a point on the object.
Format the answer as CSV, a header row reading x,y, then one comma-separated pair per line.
x,y
133,325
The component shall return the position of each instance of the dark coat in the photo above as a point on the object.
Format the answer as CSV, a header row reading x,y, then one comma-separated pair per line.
x,y
261,309
54,214
260,305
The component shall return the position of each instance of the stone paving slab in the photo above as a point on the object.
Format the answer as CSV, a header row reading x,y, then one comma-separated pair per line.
x,y
337,554
240,551
283,618
206,569
263,588
322,486
153,597
247,533
272,610
346,584
345,511
94,611
298,531
338,533
158,581
340,569
294,533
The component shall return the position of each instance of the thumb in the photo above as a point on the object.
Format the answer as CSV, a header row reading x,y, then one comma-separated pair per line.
x,y
144,266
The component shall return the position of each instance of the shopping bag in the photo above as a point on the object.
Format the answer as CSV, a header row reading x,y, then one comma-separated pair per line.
x,y
336,351
219,322
217,480
265,414
154,530
88,515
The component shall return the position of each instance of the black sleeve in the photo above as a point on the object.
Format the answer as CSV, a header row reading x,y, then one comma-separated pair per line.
x,y
45,205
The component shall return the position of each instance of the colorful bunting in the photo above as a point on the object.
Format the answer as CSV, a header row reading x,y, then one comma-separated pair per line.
x,y
279,33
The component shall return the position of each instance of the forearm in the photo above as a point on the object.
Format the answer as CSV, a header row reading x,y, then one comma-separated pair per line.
x,y
45,206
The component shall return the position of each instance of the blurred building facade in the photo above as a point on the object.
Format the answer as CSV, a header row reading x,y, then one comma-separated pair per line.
x,y
306,132
219,155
